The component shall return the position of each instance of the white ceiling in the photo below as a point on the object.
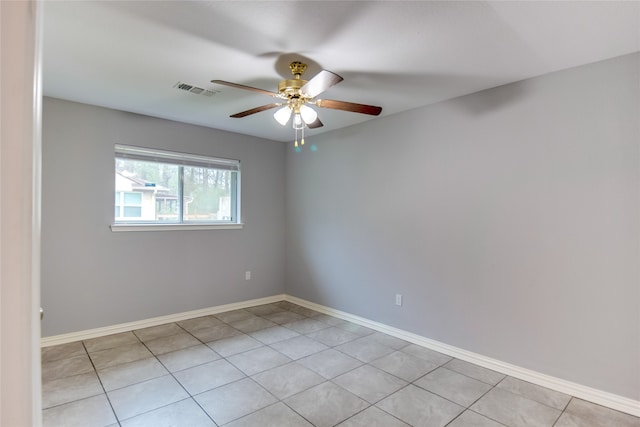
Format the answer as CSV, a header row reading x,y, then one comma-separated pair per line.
x,y
128,55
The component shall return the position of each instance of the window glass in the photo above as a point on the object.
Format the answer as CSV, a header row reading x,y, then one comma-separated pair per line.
x,y
153,186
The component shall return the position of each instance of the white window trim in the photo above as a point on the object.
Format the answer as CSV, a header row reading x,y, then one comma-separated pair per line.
x,y
173,227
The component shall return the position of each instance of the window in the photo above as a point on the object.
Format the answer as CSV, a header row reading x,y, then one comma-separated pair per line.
x,y
154,187
128,204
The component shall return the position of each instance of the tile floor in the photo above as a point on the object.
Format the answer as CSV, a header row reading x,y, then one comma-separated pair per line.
x,y
280,365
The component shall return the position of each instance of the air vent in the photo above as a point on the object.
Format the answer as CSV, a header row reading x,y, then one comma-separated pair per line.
x,y
195,89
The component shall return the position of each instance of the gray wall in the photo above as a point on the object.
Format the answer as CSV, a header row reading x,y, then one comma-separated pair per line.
x,y
92,277
508,219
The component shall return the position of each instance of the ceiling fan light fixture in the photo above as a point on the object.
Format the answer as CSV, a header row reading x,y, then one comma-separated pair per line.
x,y
282,115
308,114
298,123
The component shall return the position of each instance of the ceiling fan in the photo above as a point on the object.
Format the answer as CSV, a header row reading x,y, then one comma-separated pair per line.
x,y
296,95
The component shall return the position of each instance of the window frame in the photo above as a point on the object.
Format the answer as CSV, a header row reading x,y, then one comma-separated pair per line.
x,y
181,160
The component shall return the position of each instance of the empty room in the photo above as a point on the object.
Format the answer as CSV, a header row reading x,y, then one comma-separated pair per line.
x,y
306,213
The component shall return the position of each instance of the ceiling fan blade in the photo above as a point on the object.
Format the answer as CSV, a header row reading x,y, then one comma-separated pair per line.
x,y
319,83
349,106
255,110
239,86
315,124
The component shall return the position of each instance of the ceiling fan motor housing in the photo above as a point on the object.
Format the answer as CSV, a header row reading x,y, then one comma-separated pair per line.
x,y
291,88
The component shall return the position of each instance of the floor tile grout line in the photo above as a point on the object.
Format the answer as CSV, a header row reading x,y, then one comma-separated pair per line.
x,y
331,380
192,396
324,382
154,356
529,398
475,412
181,385
446,398
363,363
406,385
564,410
168,373
278,400
104,390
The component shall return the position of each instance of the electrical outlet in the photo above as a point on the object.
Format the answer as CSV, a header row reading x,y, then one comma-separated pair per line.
x,y
247,275
398,299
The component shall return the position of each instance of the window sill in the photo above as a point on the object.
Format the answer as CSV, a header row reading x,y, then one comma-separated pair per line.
x,y
173,227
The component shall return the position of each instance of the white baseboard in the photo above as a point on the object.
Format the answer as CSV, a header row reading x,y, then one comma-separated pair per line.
x,y
155,321
610,400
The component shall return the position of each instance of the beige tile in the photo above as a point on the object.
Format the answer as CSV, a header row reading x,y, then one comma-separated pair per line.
x,y
473,419
232,401
299,347
263,310
333,336
304,311
119,355
237,344
287,380
276,415
235,315
305,326
356,329
210,375
146,396
68,389
200,323
62,351
514,410
365,349
148,334
373,417
369,383
215,333
420,408
111,341
252,324
92,411
330,363
453,386
283,317
333,321
188,357
389,341
427,354
260,359
66,367
273,334
131,373
286,305
326,404
474,371
183,413
171,343
404,365
580,413
540,394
